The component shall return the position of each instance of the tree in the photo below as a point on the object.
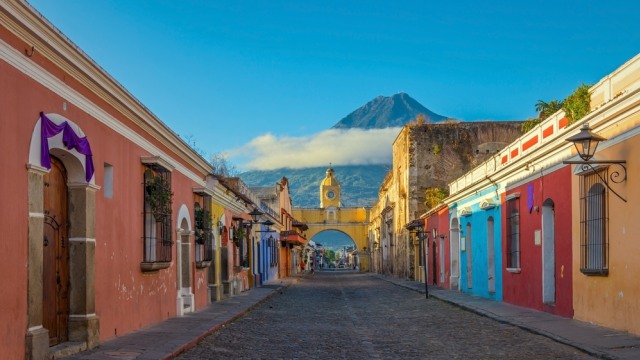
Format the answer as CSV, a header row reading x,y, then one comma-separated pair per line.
x,y
433,196
578,104
545,109
331,255
222,166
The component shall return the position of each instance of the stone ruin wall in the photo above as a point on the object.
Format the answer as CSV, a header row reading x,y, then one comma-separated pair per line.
x,y
444,152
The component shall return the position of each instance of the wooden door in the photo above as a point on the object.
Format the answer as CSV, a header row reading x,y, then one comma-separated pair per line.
x,y
55,271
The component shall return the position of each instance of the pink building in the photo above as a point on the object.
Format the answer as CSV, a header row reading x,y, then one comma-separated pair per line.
x,y
98,200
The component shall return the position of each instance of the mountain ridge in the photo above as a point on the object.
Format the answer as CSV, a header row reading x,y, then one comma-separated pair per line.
x,y
360,183
387,111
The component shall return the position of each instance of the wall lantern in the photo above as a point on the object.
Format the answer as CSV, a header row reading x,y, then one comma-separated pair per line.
x,y
416,227
255,214
268,223
586,143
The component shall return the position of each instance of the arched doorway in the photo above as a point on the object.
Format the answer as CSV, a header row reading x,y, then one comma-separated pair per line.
x,y
55,254
454,235
62,243
548,253
491,267
468,248
185,300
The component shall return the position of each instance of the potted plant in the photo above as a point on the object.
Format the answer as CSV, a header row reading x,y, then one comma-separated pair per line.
x,y
238,234
203,224
159,196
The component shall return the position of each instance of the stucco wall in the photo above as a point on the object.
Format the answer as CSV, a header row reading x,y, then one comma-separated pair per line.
x,y
476,228
525,288
126,299
613,300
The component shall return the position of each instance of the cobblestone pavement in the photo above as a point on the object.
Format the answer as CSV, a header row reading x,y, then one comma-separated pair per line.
x,y
347,315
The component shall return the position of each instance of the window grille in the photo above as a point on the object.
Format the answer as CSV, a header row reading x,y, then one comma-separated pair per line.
x,y
513,233
157,214
594,244
273,251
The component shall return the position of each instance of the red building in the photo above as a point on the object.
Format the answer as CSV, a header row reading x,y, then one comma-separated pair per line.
x,y
437,239
538,268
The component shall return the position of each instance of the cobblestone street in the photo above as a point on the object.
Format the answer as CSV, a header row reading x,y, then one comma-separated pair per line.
x,y
347,315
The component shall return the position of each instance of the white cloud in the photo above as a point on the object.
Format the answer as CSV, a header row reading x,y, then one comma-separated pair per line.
x,y
335,146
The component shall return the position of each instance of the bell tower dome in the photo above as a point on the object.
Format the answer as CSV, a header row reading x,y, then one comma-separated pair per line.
x,y
329,190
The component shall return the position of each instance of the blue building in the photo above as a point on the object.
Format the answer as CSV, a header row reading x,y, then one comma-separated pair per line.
x,y
476,217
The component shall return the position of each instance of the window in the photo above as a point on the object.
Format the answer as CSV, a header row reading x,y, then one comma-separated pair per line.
x,y
273,246
202,229
513,233
108,181
594,246
157,214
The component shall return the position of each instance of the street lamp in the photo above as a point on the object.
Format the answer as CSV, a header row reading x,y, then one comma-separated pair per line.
x,y
416,227
586,143
255,215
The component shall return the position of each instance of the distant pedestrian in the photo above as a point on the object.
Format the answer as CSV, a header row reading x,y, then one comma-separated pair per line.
x,y
302,266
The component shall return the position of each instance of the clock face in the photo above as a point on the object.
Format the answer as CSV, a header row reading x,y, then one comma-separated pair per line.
x,y
331,194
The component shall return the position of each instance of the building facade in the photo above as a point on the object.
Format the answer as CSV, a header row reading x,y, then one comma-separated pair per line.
x,y
104,200
426,156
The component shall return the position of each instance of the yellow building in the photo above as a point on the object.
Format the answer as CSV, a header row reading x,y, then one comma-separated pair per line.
x,y
605,228
351,221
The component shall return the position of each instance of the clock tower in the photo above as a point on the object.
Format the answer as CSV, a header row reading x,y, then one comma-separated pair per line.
x,y
329,190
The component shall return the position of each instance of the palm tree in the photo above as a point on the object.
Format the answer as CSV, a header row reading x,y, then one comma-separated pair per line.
x,y
545,109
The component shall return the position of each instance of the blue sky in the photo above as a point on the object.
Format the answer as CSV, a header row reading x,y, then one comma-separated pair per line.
x,y
259,80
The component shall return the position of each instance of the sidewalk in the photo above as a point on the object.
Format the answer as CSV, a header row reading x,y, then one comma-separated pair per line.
x,y
595,340
169,338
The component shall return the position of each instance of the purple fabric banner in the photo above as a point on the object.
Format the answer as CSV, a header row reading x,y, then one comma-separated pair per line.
x,y
70,139
530,197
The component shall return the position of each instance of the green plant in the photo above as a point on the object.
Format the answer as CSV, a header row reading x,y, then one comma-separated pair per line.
x,y
203,224
158,196
578,104
436,149
433,196
530,124
238,234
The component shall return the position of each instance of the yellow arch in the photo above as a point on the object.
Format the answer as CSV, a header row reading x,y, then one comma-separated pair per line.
x,y
353,222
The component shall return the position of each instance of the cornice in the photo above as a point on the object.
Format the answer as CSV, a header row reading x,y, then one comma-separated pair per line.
x,y
38,74
221,198
31,27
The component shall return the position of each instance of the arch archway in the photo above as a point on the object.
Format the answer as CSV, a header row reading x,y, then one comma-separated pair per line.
x,y
341,244
185,298
82,322
454,243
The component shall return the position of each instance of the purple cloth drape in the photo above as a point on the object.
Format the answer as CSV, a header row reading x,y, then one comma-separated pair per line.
x,y
70,139
530,197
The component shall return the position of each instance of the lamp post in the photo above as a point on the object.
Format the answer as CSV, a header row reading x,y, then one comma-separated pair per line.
x,y
586,143
417,228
